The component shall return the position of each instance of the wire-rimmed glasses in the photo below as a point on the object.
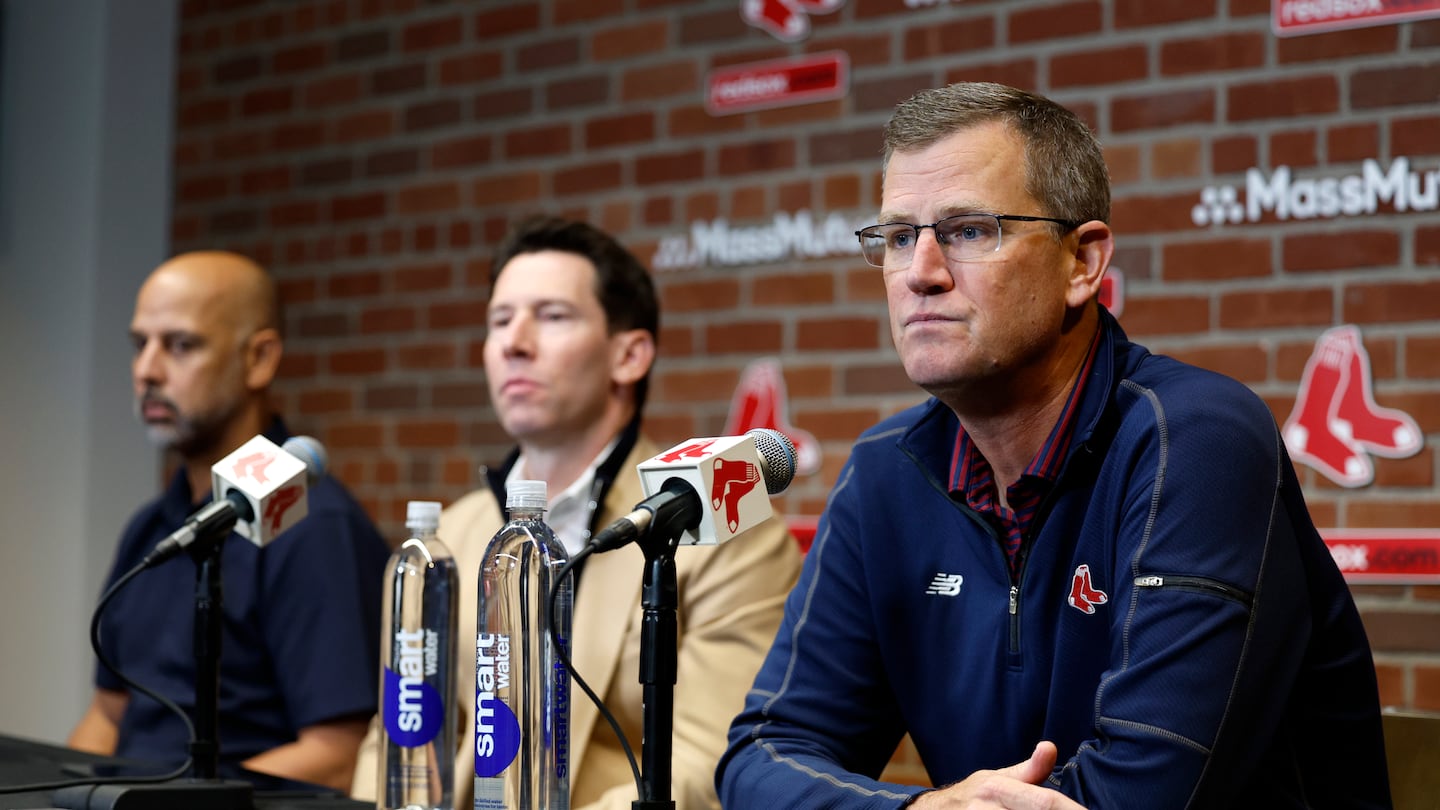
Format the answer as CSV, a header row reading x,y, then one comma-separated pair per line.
x,y
963,237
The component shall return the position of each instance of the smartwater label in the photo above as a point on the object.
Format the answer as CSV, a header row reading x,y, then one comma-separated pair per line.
x,y
413,710
497,731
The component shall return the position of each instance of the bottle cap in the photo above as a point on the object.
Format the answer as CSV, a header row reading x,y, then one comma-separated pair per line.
x,y
422,515
526,495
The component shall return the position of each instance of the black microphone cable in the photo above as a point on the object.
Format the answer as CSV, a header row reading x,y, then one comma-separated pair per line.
x,y
153,695
564,656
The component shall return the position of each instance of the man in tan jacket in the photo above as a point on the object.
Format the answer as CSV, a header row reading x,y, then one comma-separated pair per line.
x,y
573,320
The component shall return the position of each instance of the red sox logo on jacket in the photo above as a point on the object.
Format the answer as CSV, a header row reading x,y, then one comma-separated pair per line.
x,y
1083,594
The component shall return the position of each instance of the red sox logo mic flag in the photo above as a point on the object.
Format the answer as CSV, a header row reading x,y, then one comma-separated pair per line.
x,y
720,469
271,479
786,20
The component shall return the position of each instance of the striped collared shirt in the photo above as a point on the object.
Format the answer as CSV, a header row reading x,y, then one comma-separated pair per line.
x,y
972,477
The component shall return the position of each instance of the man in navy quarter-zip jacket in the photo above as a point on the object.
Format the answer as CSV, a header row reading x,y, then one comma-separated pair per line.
x,y
1080,575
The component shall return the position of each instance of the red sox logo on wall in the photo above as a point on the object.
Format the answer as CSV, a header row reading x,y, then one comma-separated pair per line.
x,y
1336,426
786,20
761,401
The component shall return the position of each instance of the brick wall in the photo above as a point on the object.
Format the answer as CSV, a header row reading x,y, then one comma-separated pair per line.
x,y
370,152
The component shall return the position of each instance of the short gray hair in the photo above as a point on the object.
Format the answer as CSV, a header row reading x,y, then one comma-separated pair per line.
x,y
1065,167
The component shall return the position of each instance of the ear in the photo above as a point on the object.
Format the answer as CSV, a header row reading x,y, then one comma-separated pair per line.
x,y
1092,258
262,359
632,352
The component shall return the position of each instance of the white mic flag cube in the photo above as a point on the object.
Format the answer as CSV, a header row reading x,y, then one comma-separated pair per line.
x,y
725,472
272,480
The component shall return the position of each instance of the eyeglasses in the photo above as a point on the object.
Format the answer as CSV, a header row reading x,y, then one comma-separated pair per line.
x,y
963,237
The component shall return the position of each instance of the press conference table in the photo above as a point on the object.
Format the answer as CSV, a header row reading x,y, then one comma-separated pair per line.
x,y
24,762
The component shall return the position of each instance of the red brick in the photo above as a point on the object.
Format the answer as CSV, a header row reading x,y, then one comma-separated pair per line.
x,y
1216,259
1021,73
326,401
551,139
791,290
1153,214
1062,21
840,191
657,211
204,189
700,296
294,214
370,205
839,334
428,199
1340,250
862,50
357,362
1283,98
1296,149
1136,13
361,284
300,59
945,39
1151,111
747,337
672,167
577,91
1352,143
1401,631
433,34
513,19
1273,309
294,136
271,101
398,79
1234,154
367,434
886,378
692,121
570,12
466,151
799,114
423,277
1248,364
427,356
1415,136
1209,54
267,180
659,81
1166,315
1110,65
427,433
331,91
1427,688
470,68
1393,302
553,53
1124,162
756,156
617,130
749,202
588,179
504,103
1172,159
1336,45
457,314
364,126
506,189
630,40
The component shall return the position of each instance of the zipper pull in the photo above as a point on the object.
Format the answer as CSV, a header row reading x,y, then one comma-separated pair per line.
x,y
1149,582
1014,599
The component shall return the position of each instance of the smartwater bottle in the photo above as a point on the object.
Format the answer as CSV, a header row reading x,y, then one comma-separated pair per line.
x,y
522,690
417,669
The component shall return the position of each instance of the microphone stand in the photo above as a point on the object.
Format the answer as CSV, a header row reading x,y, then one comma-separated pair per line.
x,y
659,650
204,788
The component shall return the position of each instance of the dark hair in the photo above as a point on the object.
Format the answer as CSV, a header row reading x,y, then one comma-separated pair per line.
x,y
1065,168
622,284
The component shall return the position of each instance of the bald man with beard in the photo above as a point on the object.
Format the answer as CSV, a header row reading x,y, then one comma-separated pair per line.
x,y
300,627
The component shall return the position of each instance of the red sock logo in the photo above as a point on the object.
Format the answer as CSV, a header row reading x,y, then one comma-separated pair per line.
x,y
733,480
760,401
786,20
1083,594
1336,424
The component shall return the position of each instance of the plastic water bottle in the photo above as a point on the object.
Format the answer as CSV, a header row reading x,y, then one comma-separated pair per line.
x,y
417,669
522,690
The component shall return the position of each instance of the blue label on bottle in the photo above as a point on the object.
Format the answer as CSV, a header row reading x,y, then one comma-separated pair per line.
x,y
413,711
497,731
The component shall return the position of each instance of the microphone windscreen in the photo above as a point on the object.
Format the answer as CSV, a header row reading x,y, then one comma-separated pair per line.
x,y
309,450
779,454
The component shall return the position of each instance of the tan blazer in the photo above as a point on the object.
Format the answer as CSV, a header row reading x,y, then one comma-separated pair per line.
x,y
730,601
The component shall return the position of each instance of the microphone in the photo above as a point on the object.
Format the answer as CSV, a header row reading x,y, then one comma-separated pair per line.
x,y
259,491
708,487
